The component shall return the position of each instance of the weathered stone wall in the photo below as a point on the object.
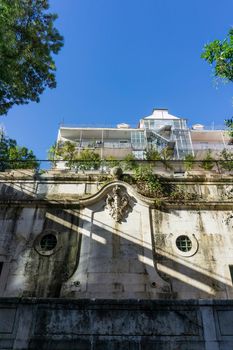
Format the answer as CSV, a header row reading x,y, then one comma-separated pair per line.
x,y
58,324
111,245
114,248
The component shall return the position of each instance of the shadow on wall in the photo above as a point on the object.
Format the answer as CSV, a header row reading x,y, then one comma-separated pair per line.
x,y
46,263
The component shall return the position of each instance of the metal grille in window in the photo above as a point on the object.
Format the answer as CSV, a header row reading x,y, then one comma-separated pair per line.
x,y
183,243
48,242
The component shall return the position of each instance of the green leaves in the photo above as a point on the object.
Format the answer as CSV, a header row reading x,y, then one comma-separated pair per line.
x,y
28,41
13,156
220,55
189,160
147,182
152,154
84,160
88,160
208,162
229,124
226,161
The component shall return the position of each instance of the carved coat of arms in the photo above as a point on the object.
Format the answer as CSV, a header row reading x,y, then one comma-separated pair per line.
x,y
117,204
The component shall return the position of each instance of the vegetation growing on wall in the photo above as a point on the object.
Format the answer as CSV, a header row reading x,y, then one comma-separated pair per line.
x,y
111,162
226,160
146,182
208,162
152,154
151,185
189,161
129,162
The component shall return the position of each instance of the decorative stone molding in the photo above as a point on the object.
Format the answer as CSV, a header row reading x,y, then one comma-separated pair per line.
x,y
118,204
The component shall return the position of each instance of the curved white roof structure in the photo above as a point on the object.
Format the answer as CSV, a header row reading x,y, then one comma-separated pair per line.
x,y
161,113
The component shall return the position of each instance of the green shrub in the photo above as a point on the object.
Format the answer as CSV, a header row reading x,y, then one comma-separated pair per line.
x,y
208,162
226,160
111,162
147,182
189,160
152,154
129,162
86,159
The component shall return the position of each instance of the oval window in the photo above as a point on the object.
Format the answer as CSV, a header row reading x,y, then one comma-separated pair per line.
x,y
48,242
184,243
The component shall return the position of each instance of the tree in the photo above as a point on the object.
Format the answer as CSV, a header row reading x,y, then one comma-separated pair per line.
x,y
84,160
220,55
88,160
13,156
28,41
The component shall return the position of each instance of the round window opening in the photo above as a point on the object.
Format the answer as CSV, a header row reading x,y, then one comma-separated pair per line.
x,y
183,243
48,242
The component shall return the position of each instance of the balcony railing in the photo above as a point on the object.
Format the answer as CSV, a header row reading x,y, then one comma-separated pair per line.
x,y
171,167
113,145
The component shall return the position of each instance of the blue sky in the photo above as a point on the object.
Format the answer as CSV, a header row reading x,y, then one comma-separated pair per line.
x,y
121,59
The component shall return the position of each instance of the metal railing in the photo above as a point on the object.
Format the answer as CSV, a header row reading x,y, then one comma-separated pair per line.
x,y
211,146
133,125
211,127
105,145
98,126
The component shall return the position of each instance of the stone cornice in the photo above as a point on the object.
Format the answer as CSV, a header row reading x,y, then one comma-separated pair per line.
x,y
164,203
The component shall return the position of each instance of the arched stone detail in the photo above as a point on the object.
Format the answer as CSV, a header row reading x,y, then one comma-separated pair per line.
x,y
116,256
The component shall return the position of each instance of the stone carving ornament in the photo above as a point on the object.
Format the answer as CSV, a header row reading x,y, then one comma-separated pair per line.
x,y
117,204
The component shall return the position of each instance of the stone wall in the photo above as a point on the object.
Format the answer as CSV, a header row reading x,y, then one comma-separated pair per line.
x,y
111,241
58,324
112,274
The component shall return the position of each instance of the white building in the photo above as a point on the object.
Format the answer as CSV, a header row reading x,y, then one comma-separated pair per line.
x,y
159,130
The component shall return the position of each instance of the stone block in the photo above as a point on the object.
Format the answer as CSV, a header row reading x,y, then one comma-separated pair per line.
x,y
225,319
112,344
7,320
60,344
